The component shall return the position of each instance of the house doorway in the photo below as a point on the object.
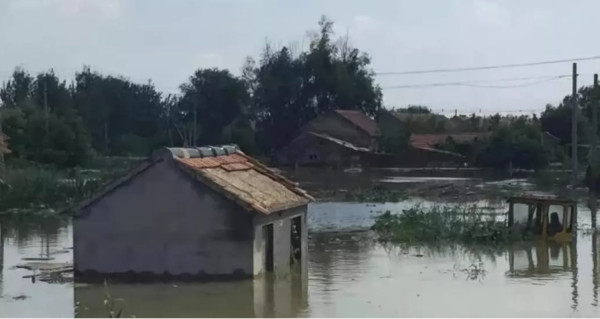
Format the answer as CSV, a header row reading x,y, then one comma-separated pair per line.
x,y
268,253
296,239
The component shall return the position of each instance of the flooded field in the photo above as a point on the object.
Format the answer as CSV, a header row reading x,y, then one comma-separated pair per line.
x,y
348,275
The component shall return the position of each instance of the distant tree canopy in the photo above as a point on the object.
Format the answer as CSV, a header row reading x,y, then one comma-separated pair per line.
x,y
211,100
51,121
515,142
123,118
414,109
290,90
558,120
261,110
42,121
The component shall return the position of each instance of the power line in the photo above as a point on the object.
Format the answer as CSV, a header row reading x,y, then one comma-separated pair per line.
x,y
478,85
512,86
514,65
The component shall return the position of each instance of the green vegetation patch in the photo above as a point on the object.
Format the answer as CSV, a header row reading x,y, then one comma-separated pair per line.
x,y
42,189
457,224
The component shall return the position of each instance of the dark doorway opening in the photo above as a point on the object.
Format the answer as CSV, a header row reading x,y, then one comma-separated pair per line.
x,y
296,239
268,240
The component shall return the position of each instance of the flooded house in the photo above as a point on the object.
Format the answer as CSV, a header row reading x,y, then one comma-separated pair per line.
x,y
207,212
337,138
426,147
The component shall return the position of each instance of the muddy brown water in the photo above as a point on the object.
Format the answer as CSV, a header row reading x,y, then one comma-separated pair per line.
x,y
348,275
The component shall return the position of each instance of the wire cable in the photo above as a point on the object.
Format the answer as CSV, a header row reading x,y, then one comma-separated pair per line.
x,y
542,79
489,67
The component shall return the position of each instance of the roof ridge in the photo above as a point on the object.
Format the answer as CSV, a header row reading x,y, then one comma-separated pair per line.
x,y
204,151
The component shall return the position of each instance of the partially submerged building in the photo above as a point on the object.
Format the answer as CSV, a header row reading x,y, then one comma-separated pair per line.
x,y
314,149
192,213
350,126
338,138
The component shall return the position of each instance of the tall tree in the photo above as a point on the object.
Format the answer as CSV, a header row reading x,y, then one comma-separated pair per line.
x,y
124,118
211,100
41,120
292,90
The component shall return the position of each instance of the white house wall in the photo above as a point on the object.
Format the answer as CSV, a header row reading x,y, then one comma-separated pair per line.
x,y
162,221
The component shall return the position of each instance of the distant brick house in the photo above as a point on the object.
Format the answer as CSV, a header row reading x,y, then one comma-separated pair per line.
x,y
314,149
337,138
192,213
351,126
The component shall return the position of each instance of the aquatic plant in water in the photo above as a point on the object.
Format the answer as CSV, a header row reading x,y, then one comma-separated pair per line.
x,y
110,304
448,224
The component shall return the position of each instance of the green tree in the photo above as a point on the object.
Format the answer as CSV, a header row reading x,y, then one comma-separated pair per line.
x,y
211,100
517,142
290,90
414,109
40,120
124,118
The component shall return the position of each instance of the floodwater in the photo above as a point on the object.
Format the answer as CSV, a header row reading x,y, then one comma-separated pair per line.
x,y
348,275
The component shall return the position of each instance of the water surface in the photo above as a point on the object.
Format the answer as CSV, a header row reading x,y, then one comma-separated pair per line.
x,y
348,275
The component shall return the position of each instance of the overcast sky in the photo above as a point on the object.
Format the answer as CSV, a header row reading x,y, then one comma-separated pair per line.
x,y
167,40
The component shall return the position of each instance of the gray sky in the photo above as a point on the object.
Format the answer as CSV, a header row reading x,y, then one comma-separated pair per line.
x,y
167,40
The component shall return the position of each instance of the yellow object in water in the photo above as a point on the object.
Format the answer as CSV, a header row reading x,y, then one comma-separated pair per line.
x,y
546,216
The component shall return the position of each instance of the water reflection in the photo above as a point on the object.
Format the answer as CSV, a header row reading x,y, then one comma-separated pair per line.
x,y
349,275
595,270
33,237
2,234
283,295
542,259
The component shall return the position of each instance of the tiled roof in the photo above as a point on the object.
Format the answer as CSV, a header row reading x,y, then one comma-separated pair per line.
x,y
245,181
431,140
361,120
228,171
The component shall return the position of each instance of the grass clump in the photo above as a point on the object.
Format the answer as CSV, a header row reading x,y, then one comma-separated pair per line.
x,y
458,224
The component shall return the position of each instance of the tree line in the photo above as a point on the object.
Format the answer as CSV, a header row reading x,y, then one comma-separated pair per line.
x,y
50,120
65,123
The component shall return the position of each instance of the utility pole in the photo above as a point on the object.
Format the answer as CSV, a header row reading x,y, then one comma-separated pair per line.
x,y
2,165
594,105
593,173
194,132
46,105
574,128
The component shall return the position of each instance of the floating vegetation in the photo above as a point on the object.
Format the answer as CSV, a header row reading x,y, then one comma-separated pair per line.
x,y
454,224
473,272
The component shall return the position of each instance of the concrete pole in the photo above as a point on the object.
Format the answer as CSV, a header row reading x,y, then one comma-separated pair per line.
x,y
593,173
574,128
